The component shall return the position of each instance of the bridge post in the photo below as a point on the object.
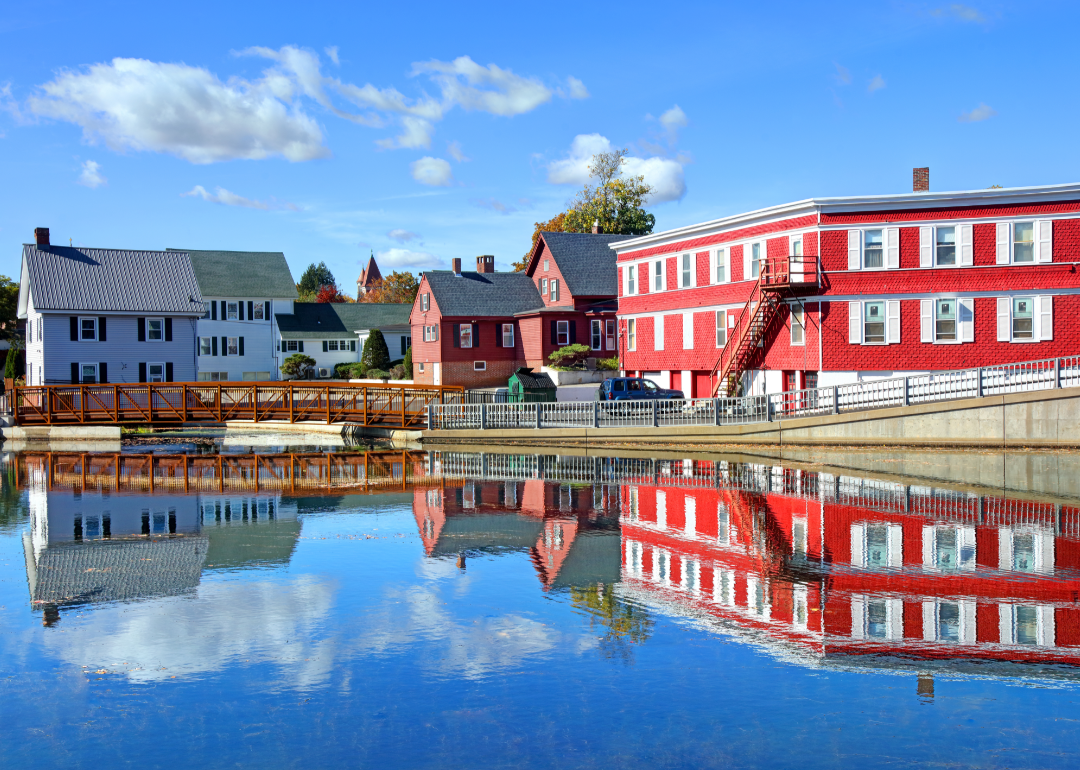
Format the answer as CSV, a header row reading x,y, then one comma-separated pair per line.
x,y
979,384
1057,374
327,404
483,416
539,406
835,400
716,412
907,391
596,414
655,423
431,417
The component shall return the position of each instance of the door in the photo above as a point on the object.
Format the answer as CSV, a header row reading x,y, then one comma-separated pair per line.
x,y
436,371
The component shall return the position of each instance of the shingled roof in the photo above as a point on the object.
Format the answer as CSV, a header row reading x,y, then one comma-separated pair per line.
x,y
242,273
586,262
75,279
317,320
483,294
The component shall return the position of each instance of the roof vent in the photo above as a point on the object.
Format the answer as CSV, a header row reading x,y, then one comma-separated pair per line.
x,y
41,237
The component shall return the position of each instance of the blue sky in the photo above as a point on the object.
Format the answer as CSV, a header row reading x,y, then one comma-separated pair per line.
x,y
428,131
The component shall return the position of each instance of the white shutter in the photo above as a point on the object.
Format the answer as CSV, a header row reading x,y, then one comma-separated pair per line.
x,y
928,546
896,545
892,314
1045,306
926,320
858,616
687,336
929,621
1045,626
858,545
892,248
1004,319
1005,623
965,244
658,333
966,317
854,249
1044,234
1005,549
967,621
1044,543
855,323
965,539
1004,242
926,247
693,270
894,615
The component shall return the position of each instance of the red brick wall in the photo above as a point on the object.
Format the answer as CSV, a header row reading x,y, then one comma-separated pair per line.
x,y
462,373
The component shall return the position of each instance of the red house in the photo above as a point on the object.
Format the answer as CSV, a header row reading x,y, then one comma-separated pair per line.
x,y
831,291
476,328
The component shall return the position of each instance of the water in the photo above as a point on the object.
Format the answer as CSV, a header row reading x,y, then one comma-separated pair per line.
x,y
450,609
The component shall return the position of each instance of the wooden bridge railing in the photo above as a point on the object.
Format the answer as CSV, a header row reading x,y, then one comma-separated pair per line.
x,y
387,406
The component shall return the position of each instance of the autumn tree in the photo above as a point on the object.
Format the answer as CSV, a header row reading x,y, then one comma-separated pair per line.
x,y
553,225
330,293
616,201
314,278
397,288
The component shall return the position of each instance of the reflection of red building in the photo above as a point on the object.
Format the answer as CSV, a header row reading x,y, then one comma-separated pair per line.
x,y
841,567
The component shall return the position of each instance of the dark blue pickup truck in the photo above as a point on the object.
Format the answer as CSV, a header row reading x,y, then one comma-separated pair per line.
x,y
634,389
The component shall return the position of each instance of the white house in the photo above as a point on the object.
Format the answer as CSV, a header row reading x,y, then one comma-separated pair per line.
x,y
107,315
334,333
244,291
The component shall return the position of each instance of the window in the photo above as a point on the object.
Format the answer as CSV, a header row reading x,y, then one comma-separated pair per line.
x,y
755,260
874,323
631,334
465,335
425,302
420,368
479,366
686,272
212,376
798,328
332,345
88,373
949,548
562,332
597,334
554,288
610,342
88,329
155,372
406,343
658,275
234,347
721,328
291,345
508,335
1023,318
231,315
874,251
945,320
945,244
257,312
631,279
720,259
204,346
39,337
543,286
547,265
155,329
1024,242
256,376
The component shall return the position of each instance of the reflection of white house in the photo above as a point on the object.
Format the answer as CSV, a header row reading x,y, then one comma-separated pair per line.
x,y
334,333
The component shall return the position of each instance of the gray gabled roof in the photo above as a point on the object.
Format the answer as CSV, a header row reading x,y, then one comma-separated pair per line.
x,y
332,320
102,280
242,274
483,294
586,262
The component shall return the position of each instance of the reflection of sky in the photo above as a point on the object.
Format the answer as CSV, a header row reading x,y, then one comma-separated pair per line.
x,y
362,653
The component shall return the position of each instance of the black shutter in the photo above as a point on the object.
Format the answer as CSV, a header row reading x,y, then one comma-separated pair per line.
x,y
301,346
498,336
213,311
213,346
101,329
224,346
554,332
251,310
573,332
74,373
168,330
224,311
436,330
241,346
74,329
266,310
457,335
142,333
352,346
168,371
103,372
142,372
325,346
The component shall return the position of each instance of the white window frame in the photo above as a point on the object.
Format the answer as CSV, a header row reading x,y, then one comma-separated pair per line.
x,y
231,311
721,328
721,258
890,249
609,335
544,286
1042,241
560,326
657,277
965,539
331,345
150,369
507,331
688,334
965,320
465,335
425,302
92,319
479,366
687,266
856,322
749,261
205,347
82,372
658,331
630,279
631,334
894,544
798,321
292,346
547,265
231,347
149,324
420,367
596,334
1042,318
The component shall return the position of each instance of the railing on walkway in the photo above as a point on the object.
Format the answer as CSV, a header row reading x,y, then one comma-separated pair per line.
x,y
389,405
855,397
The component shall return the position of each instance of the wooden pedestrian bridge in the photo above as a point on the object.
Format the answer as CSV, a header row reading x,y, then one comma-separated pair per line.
x,y
362,405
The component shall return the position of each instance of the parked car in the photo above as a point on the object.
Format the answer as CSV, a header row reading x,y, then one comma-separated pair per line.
x,y
634,389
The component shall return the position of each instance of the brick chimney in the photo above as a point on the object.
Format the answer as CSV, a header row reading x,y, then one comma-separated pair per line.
x,y
455,265
41,237
596,228
485,263
920,179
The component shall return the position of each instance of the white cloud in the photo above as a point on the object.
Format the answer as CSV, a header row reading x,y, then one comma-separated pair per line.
x,y
135,104
876,84
664,174
402,236
980,113
488,89
961,12
223,196
673,119
843,75
432,171
575,89
455,151
332,52
417,134
406,258
91,175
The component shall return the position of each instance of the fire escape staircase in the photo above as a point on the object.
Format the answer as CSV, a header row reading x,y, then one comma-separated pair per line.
x,y
779,278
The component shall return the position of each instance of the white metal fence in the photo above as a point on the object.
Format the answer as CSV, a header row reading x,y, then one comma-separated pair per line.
x,y
855,397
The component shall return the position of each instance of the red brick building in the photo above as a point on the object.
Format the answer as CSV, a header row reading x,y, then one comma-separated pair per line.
x,y
475,328
831,291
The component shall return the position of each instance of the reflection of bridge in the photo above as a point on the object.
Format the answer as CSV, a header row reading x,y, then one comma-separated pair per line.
x,y
383,406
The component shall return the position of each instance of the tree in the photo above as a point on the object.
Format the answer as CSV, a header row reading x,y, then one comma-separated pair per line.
x,y
616,202
297,366
375,354
407,363
330,293
553,225
9,307
398,288
314,278
624,623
